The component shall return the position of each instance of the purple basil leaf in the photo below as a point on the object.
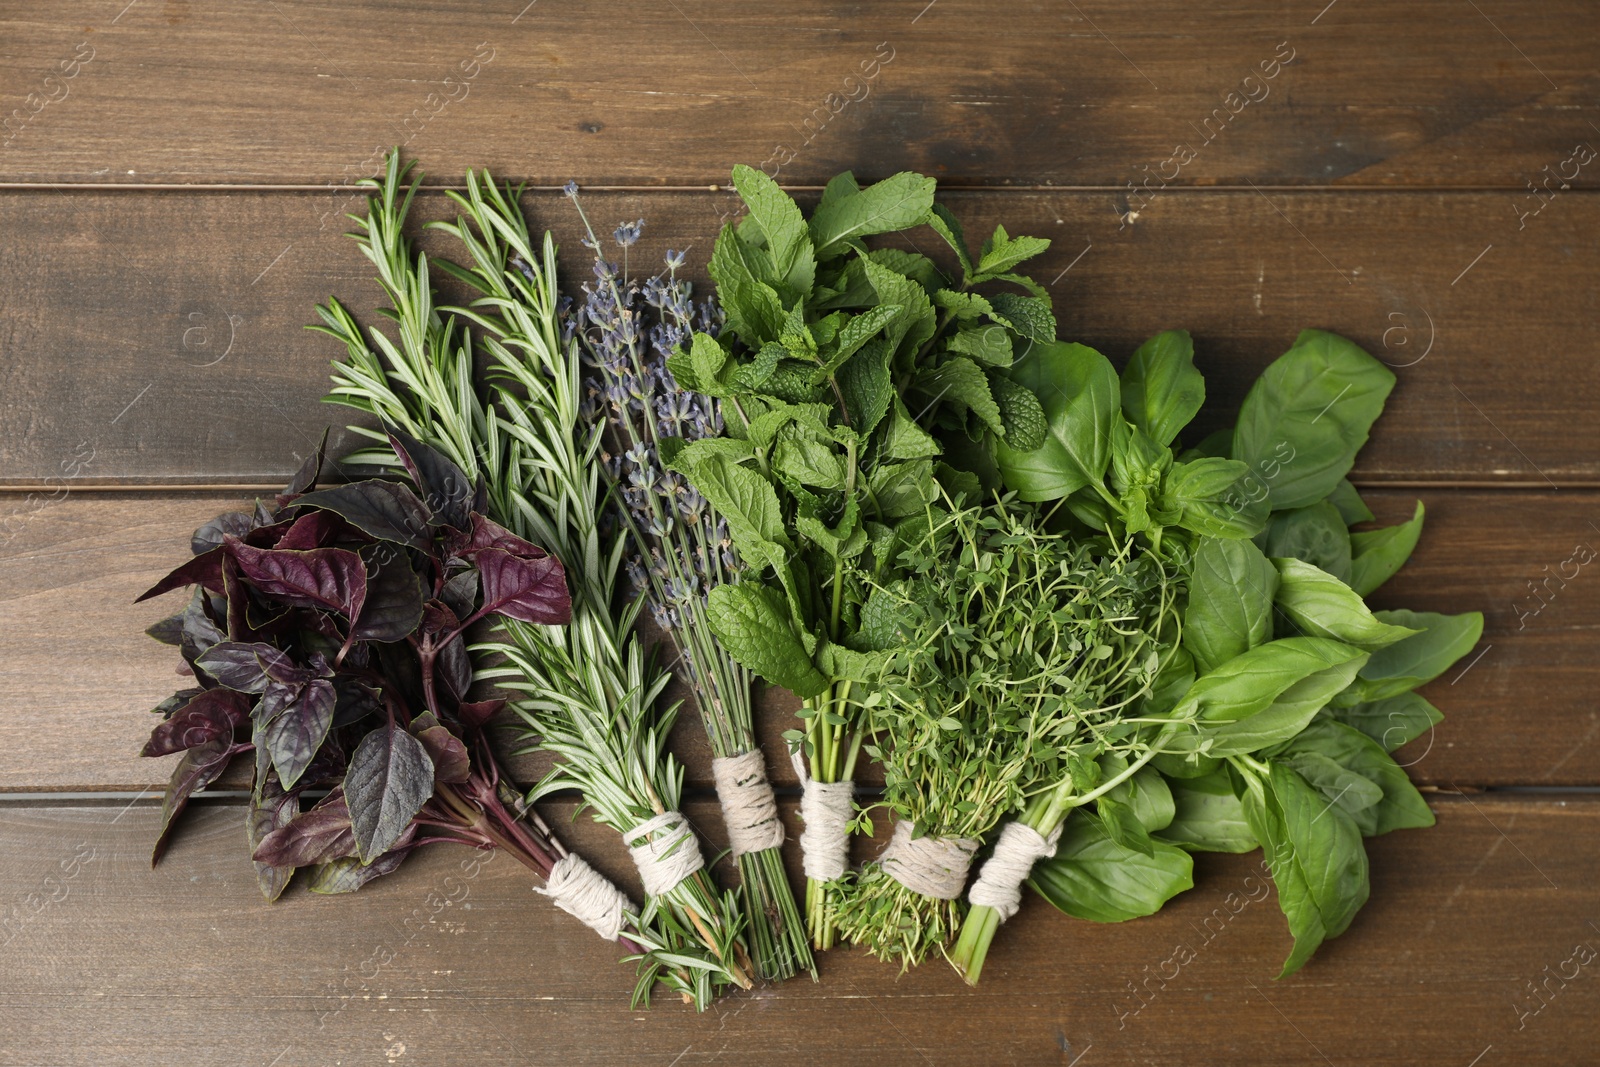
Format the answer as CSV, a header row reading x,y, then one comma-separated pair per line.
x,y
242,666
480,495
209,715
314,529
270,809
170,706
449,755
477,713
532,590
355,700
460,594
204,570
237,596
389,779
199,767
310,470
444,486
316,836
209,536
394,598
199,634
349,874
264,516
332,578
294,734
388,511
169,631
486,533
453,667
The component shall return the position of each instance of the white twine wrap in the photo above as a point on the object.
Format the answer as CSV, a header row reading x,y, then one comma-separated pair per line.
x,y
999,884
587,895
933,866
827,808
749,810
669,858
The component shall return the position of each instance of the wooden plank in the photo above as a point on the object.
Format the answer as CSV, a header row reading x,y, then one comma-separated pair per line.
x,y
78,670
201,91
184,312
108,962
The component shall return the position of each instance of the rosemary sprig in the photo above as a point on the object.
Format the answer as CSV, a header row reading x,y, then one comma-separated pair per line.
x,y
586,691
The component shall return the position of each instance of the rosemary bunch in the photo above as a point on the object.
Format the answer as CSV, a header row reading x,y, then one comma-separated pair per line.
x,y
627,330
1017,653
586,691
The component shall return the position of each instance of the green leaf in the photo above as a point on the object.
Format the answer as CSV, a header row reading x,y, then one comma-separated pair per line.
x,y
753,623
1394,721
1323,606
1315,534
1286,716
902,489
740,495
1207,816
1320,398
1078,390
905,439
1248,683
1212,498
1353,793
867,386
946,226
1388,801
754,311
1231,586
989,345
1381,553
1417,660
896,203
856,332
1092,877
1002,252
1316,856
1145,794
1352,509
1123,826
960,383
1030,316
1161,389
1020,413
805,456
794,266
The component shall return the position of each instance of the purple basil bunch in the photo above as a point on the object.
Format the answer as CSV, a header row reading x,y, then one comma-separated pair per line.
x,y
326,636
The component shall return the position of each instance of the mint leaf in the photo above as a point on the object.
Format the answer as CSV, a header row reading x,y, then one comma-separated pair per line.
x,y
794,267
753,624
896,203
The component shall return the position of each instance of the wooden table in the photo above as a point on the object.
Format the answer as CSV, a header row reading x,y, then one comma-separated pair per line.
x,y
174,173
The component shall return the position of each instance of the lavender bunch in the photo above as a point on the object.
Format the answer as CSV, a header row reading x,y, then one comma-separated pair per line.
x,y
626,330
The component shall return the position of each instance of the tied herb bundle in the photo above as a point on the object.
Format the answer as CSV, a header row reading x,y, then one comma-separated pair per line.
x,y
326,635
840,370
628,330
1274,719
1016,653
585,692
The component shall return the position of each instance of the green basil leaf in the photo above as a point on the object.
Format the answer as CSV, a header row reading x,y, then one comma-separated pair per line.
x,y
1394,721
1417,660
1316,534
1395,802
1121,825
1353,793
1286,716
1092,877
1323,606
1248,683
1161,389
1207,816
1316,857
1320,398
754,625
1231,586
1145,794
1077,387
1380,553
1213,497
1352,509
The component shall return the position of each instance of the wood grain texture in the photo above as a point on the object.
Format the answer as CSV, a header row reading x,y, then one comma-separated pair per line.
x,y
109,962
79,672
155,338
1434,93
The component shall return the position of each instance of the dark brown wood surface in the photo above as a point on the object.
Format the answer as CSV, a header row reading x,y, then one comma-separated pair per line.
x,y
173,178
